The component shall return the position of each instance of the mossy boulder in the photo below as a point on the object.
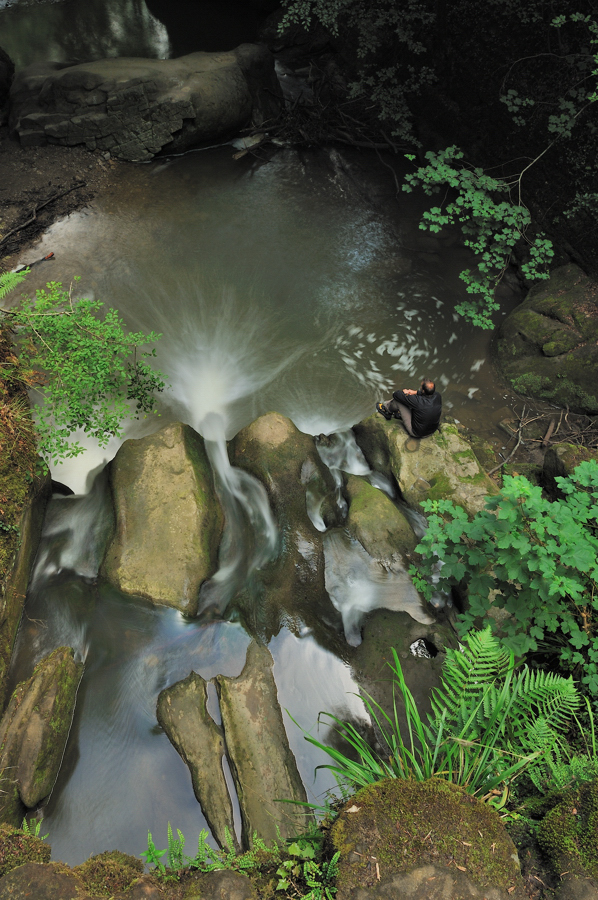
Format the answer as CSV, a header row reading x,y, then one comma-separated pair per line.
x,y
183,714
287,463
42,881
374,520
262,762
394,826
24,505
442,467
34,731
17,848
561,460
168,518
568,833
548,346
105,874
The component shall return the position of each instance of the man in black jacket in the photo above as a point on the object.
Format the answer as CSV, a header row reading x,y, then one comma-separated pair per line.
x,y
420,410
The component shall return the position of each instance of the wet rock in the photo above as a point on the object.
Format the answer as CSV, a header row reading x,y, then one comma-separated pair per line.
x,y
134,108
440,467
17,848
144,888
392,827
357,584
34,731
168,518
287,463
51,881
184,716
13,592
221,886
548,346
7,71
378,525
263,765
575,888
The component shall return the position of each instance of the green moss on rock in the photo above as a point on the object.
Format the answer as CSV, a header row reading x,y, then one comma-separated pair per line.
x,y
567,834
402,824
105,874
17,848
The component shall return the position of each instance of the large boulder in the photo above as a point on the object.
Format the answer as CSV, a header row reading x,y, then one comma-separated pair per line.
x,y
33,500
394,826
34,731
287,463
377,523
548,346
44,881
134,108
183,714
168,518
442,466
263,765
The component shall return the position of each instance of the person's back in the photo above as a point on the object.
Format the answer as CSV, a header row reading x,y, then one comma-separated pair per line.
x,y
420,410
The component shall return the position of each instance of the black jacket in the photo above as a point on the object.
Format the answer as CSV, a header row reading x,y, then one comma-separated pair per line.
x,y
425,411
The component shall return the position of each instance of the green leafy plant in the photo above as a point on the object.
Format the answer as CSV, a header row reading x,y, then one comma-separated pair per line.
x,y
83,364
301,868
33,828
491,223
537,559
489,723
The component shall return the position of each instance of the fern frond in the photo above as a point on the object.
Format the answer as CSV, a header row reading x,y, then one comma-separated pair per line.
x,y
10,280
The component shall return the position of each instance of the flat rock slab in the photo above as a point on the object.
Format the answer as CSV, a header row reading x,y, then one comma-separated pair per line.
x,y
38,881
168,518
548,346
434,883
444,467
263,765
34,731
133,108
184,716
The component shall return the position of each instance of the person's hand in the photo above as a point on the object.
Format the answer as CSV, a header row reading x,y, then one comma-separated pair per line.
x,y
409,391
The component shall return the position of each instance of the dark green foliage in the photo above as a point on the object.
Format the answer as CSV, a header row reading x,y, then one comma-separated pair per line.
x,y
85,368
535,558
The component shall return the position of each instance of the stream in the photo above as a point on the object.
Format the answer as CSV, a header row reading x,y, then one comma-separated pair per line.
x,y
281,285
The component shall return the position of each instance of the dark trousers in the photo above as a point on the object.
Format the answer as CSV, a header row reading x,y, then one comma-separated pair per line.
x,y
393,406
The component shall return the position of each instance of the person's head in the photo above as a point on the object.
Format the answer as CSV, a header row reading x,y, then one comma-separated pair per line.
x,y
428,387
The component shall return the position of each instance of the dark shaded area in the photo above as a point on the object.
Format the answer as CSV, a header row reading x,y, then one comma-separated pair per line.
x,y
209,25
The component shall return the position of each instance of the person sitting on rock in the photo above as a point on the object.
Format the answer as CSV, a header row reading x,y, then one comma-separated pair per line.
x,y
420,410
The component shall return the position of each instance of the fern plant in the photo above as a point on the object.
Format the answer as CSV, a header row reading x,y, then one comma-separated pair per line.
x,y
10,280
489,723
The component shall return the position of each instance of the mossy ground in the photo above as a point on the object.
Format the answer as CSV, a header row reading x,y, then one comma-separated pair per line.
x,y
17,848
567,834
108,873
400,824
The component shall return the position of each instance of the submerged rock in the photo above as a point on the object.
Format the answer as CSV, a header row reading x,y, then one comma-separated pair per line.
x,y
183,714
168,518
548,346
263,765
442,467
134,108
394,826
34,731
287,463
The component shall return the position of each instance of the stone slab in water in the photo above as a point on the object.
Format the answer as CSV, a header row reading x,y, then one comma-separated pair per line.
x,y
444,467
133,108
263,765
183,714
168,518
34,731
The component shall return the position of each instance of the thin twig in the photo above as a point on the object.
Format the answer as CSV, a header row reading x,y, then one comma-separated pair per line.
x,y
37,208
